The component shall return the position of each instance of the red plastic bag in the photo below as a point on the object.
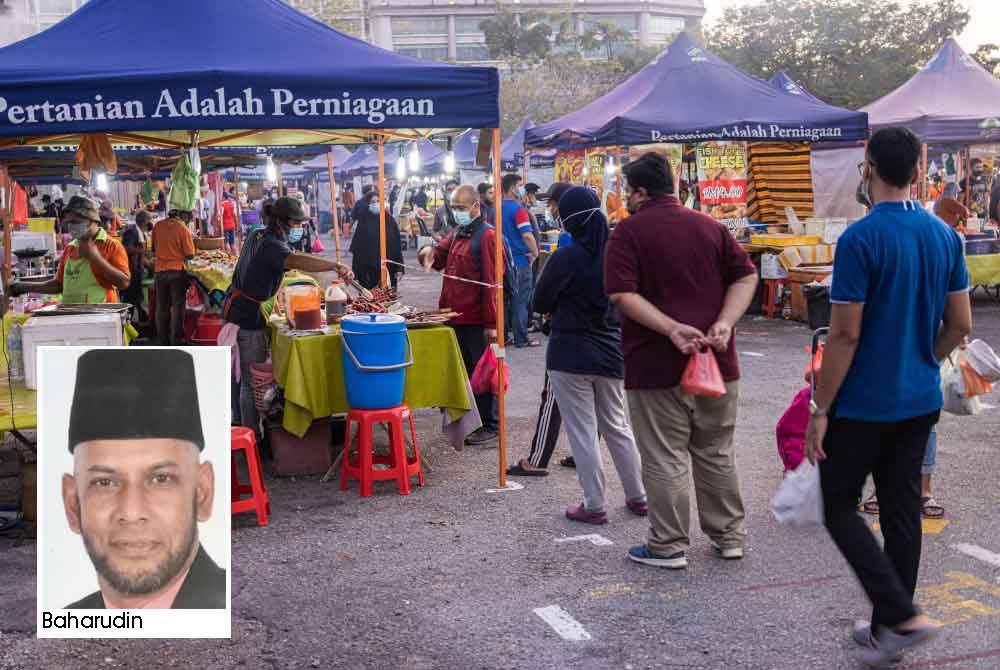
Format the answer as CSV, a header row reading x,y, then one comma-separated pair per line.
x,y
815,363
702,376
485,378
317,246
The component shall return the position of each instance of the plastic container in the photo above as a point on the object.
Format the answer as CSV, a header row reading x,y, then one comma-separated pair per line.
x,y
376,352
77,330
303,309
206,329
15,362
336,302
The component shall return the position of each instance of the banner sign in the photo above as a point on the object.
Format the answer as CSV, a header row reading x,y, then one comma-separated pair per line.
x,y
722,182
674,153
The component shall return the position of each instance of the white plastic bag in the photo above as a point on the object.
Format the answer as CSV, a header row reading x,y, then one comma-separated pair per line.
x,y
953,390
983,360
799,500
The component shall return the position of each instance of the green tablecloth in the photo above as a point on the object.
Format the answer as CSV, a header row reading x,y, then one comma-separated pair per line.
x,y
984,270
311,371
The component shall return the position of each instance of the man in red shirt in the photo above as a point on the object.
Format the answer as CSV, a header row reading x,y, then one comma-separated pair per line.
x,y
229,222
681,282
469,252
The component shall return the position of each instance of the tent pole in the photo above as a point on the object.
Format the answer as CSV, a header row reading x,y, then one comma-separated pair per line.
x,y
383,203
923,172
499,265
6,235
277,171
333,202
527,161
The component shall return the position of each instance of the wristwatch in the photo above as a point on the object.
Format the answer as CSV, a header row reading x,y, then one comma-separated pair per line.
x,y
816,410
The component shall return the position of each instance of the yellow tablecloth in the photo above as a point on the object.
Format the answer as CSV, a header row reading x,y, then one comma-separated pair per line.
x,y
210,278
311,371
984,270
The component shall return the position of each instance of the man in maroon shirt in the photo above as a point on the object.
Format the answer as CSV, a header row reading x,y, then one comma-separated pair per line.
x,y
681,283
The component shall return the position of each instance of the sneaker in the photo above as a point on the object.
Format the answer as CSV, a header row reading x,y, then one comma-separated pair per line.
x,y
481,436
637,507
888,645
863,637
580,513
640,553
733,553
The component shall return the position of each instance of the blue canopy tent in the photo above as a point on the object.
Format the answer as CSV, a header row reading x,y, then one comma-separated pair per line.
x,y
781,81
688,94
431,159
512,151
465,147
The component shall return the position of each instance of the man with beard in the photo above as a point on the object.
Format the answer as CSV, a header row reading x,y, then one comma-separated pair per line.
x,y
139,486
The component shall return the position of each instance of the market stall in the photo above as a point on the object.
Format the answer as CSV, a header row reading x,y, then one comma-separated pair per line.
x,y
291,81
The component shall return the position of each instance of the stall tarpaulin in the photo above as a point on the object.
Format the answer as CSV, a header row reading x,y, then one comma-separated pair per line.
x,y
722,182
835,182
780,177
570,166
673,153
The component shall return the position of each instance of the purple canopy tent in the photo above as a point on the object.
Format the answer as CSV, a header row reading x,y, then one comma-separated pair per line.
x,y
781,81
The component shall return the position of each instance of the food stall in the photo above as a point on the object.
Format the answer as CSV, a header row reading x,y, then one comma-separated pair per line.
x,y
292,82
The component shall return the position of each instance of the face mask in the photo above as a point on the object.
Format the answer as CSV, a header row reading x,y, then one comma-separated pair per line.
x,y
631,205
521,193
863,194
374,208
577,226
462,218
78,230
295,234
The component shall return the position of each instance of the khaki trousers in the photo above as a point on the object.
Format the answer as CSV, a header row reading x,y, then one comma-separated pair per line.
x,y
673,430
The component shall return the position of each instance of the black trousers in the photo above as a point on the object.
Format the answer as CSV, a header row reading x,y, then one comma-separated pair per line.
x,y
546,428
171,293
472,344
892,454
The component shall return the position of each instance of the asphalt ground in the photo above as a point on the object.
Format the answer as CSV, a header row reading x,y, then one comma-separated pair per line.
x,y
451,576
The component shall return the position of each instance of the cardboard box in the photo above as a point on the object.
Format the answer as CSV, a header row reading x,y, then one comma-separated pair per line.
x,y
815,254
310,455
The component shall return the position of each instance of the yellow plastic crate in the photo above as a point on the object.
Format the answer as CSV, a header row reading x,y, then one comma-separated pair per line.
x,y
42,225
785,240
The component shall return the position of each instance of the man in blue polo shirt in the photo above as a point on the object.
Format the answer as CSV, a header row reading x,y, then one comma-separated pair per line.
x,y
520,239
900,306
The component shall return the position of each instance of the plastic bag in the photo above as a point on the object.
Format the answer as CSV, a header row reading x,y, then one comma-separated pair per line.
x,y
702,376
799,500
317,246
974,383
184,186
815,363
984,360
485,378
953,390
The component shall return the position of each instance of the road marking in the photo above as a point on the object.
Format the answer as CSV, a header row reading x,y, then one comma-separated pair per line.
x,y
947,604
593,538
927,526
511,486
562,623
798,582
977,552
752,353
948,660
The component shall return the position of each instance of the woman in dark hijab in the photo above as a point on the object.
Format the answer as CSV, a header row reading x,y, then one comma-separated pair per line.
x,y
365,244
584,358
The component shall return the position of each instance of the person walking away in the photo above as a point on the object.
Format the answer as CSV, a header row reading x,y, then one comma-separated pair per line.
x,y
360,205
229,222
365,255
420,198
444,219
469,252
681,282
549,421
94,265
584,359
898,274
173,246
264,257
134,240
519,237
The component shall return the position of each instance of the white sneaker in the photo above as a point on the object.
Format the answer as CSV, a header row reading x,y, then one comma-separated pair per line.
x,y
734,553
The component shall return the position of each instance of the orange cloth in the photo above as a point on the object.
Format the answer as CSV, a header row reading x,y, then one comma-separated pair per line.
x,y
952,212
112,251
172,244
19,212
95,151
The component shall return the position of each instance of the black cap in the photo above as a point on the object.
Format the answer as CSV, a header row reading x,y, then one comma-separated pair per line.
x,y
557,189
288,208
135,394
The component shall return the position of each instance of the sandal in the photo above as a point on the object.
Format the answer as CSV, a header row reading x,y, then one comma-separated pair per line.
x,y
568,462
519,470
930,508
870,506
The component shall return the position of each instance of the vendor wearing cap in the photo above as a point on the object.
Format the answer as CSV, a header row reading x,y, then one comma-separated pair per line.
x,y
93,266
139,486
264,257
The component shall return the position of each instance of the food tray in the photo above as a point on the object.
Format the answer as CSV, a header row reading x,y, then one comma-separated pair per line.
x,y
786,240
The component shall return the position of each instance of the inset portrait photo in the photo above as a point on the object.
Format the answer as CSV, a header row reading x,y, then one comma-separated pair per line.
x,y
133,492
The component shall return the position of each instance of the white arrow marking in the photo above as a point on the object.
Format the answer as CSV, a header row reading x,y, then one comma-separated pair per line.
x,y
593,538
511,486
752,353
977,552
562,623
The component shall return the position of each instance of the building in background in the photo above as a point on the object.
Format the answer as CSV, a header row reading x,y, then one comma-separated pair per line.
x,y
22,18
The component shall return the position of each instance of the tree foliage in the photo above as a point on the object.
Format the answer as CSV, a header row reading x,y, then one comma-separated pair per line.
x,y
516,35
988,56
606,37
846,52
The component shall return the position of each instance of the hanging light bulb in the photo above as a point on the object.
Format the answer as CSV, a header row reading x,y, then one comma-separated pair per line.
x,y
400,166
101,182
414,162
270,170
609,165
449,159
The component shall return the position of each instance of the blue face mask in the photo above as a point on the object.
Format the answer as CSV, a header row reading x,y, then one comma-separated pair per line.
x,y
295,234
374,208
521,193
462,218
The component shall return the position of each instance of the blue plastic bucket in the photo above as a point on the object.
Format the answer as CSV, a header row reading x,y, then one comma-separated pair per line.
x,y
376,352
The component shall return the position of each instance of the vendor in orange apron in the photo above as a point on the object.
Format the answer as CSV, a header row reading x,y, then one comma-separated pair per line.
x,y
93,266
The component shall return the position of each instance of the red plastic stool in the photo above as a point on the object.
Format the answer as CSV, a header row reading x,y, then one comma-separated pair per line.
x,y
772,292
243,439
361,466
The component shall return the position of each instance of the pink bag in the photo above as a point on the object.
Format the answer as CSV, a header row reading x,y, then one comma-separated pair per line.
x,y
485,377
317,245
702,376
791,431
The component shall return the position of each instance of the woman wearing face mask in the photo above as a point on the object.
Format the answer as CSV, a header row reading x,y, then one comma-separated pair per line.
x,y
584,358
365,244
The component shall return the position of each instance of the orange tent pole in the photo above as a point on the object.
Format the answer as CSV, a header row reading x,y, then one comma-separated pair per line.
x,y
6,184
381,211
499,260
333,202
968,177
923,172
239,210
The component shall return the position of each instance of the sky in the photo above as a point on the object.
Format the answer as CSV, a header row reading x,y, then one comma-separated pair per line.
x,y
982,27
